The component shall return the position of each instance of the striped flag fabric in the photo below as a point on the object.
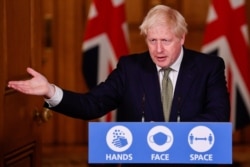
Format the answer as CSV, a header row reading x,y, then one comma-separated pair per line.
x,y
226,35
105,40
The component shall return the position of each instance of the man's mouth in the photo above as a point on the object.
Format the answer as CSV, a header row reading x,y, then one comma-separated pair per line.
x,y
162,58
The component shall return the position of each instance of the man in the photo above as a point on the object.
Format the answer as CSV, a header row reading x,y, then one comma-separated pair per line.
x,y
198,87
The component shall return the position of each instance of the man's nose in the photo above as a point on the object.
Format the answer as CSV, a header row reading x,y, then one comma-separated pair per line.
x,y
159,46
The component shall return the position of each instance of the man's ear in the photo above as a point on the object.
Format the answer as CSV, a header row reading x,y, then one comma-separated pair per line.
x,y
183,39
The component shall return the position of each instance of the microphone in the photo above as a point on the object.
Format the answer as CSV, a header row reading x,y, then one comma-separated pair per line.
x,y
143,107
179,110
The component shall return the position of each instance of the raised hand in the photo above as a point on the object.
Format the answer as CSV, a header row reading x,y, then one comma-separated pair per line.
x,y
37,85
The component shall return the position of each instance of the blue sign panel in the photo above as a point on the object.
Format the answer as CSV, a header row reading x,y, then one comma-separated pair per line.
x,y
157,142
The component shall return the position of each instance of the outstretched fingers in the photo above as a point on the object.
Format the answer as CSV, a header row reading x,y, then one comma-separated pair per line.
x,y
22,86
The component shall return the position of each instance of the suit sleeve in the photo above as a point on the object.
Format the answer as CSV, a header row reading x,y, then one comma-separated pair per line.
x,y
99,101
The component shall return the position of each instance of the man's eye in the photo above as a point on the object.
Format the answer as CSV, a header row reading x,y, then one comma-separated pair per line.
x,y
165,41
152,40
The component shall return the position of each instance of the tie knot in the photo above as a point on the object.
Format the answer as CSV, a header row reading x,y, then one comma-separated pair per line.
x,y
166,71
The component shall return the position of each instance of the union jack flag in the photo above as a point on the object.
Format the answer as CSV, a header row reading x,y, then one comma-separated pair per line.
x,y
226,35
105,40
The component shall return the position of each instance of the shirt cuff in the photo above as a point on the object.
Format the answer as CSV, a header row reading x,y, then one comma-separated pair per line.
x,y
56,98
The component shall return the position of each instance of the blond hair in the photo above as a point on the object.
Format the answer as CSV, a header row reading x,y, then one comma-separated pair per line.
x,y
161,14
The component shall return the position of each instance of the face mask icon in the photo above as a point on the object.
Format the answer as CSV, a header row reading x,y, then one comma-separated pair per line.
x,y
160,138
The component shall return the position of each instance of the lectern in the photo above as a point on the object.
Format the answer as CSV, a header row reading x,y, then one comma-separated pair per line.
x,y
160,142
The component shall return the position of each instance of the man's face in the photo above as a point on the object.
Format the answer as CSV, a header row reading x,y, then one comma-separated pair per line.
x,y
164,47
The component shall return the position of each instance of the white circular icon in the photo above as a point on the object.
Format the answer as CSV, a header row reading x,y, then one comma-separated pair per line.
x,y
160,138
119,138
201,139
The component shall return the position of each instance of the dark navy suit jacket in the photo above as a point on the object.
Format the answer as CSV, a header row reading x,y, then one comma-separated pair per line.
x,y
133,89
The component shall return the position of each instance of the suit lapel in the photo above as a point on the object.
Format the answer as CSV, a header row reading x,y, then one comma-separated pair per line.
x,y
185,79
151,86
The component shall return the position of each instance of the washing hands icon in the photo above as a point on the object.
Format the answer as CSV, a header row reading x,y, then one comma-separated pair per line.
x,y
119,139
